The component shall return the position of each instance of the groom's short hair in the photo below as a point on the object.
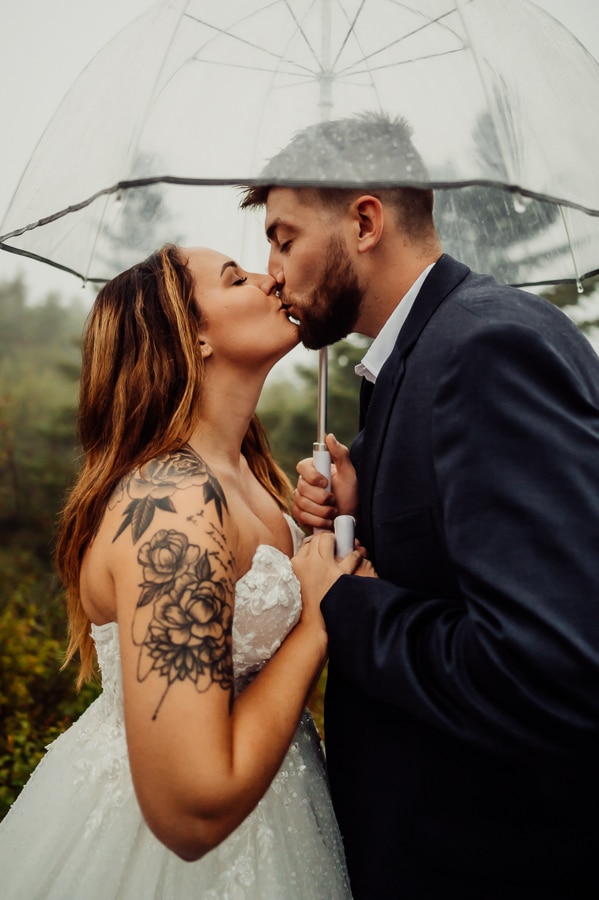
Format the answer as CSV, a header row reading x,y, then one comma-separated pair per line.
x,y
330,159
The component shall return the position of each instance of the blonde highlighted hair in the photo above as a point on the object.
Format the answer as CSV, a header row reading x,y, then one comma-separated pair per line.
x,y
140,396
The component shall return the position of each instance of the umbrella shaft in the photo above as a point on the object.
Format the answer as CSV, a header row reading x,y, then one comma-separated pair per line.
x,y
323,377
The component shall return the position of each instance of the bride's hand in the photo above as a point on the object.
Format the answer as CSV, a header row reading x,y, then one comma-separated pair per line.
x,y
317,569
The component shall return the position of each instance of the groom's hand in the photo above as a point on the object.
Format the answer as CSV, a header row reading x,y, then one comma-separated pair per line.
x,y
314,506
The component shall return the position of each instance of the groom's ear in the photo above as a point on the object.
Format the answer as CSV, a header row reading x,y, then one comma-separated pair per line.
x,y
369,218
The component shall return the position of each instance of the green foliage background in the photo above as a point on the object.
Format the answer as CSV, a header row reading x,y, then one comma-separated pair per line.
x,y
39,367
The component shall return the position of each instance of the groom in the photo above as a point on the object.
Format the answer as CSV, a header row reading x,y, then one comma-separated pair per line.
x,y
462,706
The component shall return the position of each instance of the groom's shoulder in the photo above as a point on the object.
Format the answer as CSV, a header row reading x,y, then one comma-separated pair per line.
x,y
489,301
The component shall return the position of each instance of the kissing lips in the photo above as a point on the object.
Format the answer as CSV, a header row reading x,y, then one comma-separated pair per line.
x,y
293,319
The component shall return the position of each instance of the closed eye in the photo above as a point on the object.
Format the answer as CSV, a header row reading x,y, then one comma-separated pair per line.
x,y
240,280
285,246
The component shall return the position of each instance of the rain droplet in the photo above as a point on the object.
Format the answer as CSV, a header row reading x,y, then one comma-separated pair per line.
x,y
520,203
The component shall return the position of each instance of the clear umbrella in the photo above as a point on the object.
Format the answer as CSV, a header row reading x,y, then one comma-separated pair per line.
x,y
195,96
199,92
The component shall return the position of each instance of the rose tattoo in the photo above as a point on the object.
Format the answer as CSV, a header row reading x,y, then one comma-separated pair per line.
x,y
189,633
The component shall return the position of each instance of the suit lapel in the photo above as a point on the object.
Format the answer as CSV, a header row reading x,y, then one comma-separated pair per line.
x,y
444,277
366,389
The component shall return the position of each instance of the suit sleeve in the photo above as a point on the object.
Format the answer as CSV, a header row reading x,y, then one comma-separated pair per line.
x,y
513,661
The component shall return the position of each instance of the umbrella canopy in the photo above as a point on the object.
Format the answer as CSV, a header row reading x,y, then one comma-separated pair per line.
x,y
197,94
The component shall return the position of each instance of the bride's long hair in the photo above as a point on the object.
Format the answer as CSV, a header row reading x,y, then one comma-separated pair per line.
x,y
140,396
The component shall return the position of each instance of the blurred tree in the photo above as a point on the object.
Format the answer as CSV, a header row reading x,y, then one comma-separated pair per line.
x,y
39,366
567,297
38,346
144,219
493,224
288,406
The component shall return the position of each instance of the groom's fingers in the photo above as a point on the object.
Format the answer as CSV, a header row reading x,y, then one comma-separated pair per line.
x,y
312,515
318,496
310,475
313,504
339,452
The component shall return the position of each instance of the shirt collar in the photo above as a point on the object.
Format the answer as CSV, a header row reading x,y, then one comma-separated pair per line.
x,y
379,351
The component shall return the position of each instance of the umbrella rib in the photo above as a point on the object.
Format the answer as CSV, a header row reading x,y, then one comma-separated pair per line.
x,y
304,73
427,24
278,56
404,62
351,28
303,34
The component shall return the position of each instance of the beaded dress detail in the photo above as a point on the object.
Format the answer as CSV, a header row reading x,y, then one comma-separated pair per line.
x,y
76,830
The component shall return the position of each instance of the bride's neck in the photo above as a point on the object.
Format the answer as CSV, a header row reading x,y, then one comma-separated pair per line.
x,y
226,412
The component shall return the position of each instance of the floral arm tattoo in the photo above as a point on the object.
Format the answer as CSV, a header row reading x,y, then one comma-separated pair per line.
x,y
183,615
152,486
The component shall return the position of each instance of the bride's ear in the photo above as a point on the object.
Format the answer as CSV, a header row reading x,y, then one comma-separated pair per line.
x,y
205,348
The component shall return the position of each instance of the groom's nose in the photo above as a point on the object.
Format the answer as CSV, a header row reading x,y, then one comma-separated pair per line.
x,y
266,283
275,267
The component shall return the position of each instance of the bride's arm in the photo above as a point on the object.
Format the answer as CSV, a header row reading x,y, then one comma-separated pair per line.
x,y
200,762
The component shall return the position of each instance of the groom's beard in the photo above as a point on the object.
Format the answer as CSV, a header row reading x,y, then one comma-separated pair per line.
x,y
335,302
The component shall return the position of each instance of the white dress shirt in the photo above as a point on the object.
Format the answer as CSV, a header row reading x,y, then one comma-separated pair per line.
x,y
380,349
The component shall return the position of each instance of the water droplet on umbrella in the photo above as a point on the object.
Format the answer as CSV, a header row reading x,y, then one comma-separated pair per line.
x,y
520,203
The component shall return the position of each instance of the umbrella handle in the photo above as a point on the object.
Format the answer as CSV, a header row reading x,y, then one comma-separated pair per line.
x,y
344,525
344,535
322,463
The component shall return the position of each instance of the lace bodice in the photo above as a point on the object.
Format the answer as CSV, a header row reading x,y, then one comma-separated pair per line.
x,y
267,607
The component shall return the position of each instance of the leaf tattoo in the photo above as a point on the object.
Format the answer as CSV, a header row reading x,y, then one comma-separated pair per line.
x,y
139,515
213,493
189,633
152,486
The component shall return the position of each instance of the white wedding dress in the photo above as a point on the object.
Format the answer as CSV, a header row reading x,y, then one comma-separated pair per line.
x,y
76,831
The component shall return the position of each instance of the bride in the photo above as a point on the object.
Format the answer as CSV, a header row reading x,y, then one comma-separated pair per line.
x,y
197,772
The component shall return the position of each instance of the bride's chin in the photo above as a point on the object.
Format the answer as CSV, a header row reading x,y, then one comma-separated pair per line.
x,y
294,339
284,351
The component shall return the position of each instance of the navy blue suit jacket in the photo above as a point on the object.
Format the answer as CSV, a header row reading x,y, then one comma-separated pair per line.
x,y
462,705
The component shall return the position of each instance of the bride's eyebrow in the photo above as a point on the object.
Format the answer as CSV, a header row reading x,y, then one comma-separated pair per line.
x,y
230,263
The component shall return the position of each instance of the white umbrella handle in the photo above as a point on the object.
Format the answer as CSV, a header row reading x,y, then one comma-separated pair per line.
x,y
344,535
344,525
322,463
